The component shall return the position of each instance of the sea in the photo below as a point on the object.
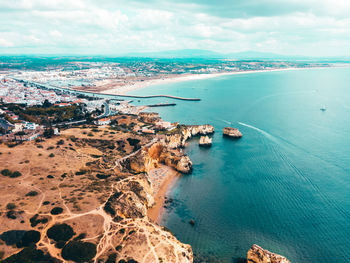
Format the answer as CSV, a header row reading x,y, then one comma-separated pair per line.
x,y
285,185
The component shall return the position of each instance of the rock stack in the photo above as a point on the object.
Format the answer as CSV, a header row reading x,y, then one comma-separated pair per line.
x,y
205,141
232,132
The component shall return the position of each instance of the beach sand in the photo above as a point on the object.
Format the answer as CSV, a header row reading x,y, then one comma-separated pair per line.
x,y
122,90
162,178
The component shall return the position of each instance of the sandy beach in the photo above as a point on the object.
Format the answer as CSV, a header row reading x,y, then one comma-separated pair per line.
x,y
162,178
122,90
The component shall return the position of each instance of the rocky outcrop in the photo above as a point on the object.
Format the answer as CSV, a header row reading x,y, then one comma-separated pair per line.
x,y
232,132
205,141
257,254
157,153
178,140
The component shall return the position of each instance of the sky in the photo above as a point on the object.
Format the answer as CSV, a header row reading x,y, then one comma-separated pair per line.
x,y
116,27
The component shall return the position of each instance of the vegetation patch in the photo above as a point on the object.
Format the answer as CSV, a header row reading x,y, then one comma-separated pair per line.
x,y
7,172
60,232
35,220
32,193
29,238
79,251
30,255
56,210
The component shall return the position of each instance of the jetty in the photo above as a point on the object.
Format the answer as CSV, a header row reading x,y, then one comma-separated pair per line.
x,y
101,95
161,105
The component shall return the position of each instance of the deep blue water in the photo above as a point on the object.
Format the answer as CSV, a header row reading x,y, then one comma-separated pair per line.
x,y
285,185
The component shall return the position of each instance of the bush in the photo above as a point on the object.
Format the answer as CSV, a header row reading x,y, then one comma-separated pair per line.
x,y
15,174
90,134
50,176
35,220
60,232
30,237
102,176
10,206
56,210
79,251
112,258
30,255
11,214
81,172
51,155
6,172
60,142
32,193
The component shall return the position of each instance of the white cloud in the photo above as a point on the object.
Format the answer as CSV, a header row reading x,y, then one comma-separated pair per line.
x,y
312,26
5,43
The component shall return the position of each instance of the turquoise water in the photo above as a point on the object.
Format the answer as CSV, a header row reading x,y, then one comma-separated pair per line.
x,y
285,185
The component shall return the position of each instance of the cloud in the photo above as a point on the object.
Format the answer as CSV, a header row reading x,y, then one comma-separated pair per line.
x,y
306,27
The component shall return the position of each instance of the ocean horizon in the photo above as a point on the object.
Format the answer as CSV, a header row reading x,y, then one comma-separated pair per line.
x,y
285,185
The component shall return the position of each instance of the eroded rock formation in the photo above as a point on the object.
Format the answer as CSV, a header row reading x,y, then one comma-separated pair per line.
x,y
257,254
178,140
151,157
205,141
232,132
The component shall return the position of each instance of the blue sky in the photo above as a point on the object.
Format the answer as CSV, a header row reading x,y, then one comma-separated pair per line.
x,y
114,27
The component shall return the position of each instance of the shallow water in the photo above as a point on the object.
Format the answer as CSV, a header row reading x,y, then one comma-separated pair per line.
x,y
285,185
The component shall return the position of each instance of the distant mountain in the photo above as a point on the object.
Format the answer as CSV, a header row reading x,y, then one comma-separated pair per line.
x,y
200,53
255,55
182,53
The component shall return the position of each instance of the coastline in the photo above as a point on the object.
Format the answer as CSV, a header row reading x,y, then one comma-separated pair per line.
x,y
170,176
123,90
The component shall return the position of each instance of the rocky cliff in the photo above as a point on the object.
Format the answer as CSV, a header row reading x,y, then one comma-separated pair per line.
x,y
178,140
257,254
151,157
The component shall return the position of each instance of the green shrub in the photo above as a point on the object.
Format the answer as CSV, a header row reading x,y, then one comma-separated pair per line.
x,y
56,210
32,193
6,172
15,174
10,206
79,251
51,155
35,220
60,232
11,214
30,237
30,255
60,142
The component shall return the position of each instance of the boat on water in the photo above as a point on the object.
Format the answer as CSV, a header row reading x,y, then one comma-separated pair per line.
x,y
323,108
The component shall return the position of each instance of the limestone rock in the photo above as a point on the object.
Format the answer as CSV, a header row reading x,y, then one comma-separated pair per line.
x,y
257,254
232,132
178,140
205,141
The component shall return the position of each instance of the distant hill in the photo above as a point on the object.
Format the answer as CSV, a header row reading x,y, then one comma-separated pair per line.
x,y
182,53
200,53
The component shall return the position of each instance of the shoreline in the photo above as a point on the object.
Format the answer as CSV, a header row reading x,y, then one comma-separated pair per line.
x,y
124,90
155,213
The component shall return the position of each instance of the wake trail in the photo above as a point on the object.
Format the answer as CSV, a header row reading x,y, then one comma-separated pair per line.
x,y
286,160
225,121
268,135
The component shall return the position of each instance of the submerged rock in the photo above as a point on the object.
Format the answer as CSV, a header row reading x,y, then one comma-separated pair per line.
x,y
232,132
205,141
257,254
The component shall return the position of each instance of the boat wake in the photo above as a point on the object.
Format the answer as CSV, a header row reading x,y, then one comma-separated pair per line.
x,y
228,122
259,130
